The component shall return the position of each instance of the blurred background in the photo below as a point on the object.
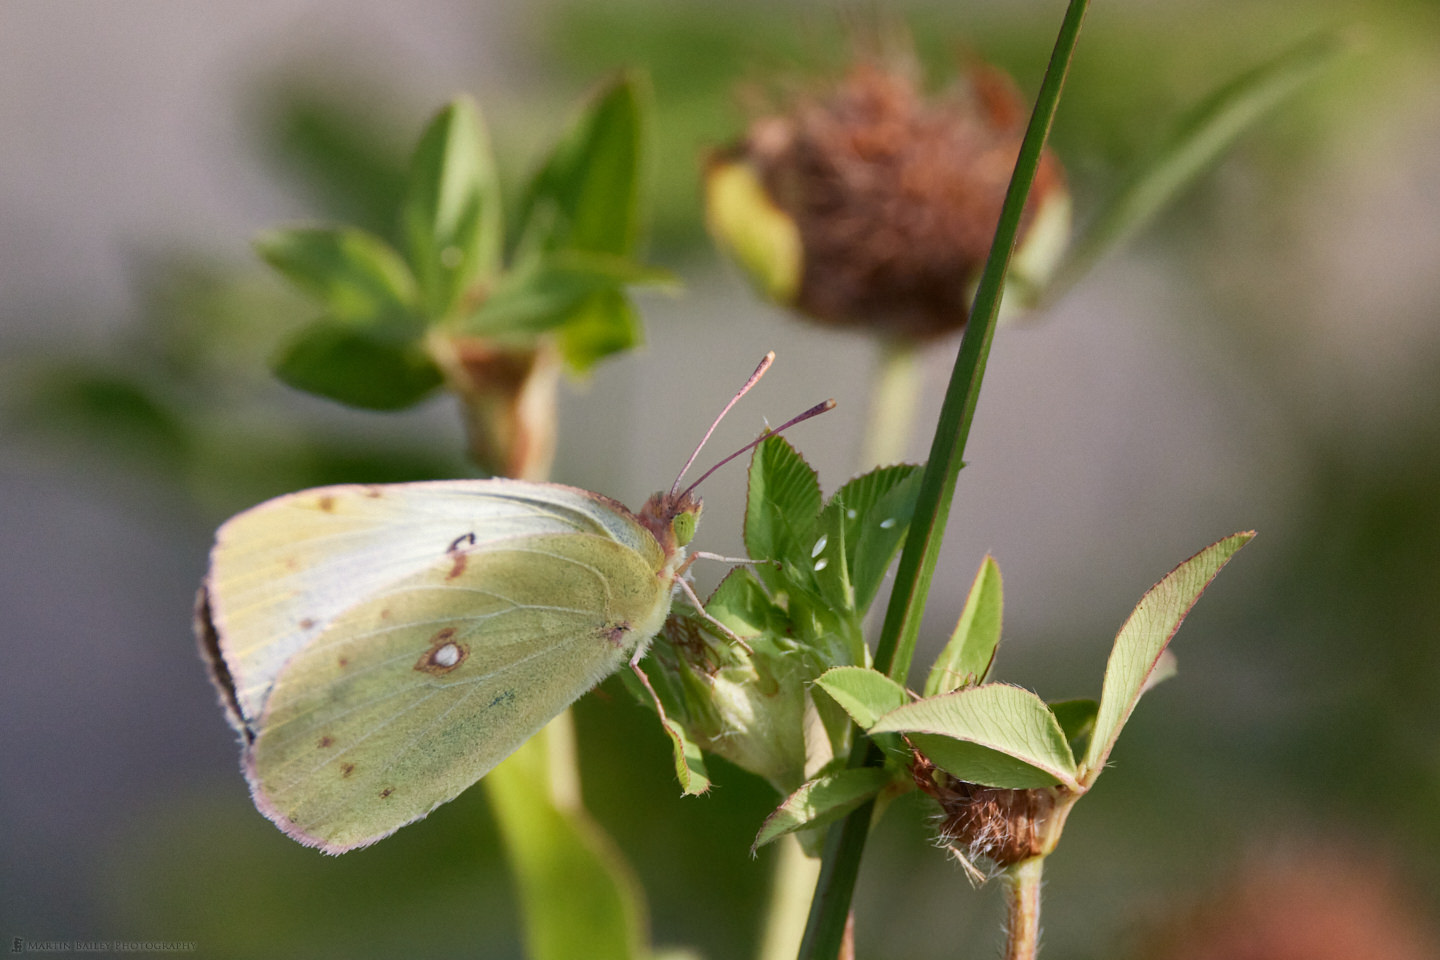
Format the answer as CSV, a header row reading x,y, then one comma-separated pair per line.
x,y
1263,357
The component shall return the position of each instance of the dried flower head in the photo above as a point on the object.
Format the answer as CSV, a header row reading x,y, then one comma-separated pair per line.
x,y
977,822
870,205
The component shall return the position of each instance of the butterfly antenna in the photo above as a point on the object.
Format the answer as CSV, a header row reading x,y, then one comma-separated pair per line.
x,y
814,411
765,362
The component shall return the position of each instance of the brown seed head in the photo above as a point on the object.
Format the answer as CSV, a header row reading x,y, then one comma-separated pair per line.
x,y
1002,826
895,196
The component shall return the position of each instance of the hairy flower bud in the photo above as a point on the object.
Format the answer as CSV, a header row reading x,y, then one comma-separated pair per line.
x,y
869,205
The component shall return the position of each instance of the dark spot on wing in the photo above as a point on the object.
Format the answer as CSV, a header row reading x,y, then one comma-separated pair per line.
x,y
346,769
307,624
343,662
385,614
325,741
373,492
507,697
386,792
455,551
615,632
326,503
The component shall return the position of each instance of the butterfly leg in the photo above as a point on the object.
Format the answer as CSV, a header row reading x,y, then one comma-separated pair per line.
x,y
689,592
659,707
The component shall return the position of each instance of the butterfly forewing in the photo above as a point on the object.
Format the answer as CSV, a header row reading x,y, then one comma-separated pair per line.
x,y
281,572
388,646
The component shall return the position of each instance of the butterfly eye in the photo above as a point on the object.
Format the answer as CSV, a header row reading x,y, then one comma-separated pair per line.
x,y
683,526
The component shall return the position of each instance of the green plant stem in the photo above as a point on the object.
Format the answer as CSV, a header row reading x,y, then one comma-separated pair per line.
x,y
896,647
792,883
894,396
937,488
1022,909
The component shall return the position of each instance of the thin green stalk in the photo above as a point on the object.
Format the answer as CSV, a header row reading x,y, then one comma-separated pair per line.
x,y
792,884
1022,909
894,396
896,647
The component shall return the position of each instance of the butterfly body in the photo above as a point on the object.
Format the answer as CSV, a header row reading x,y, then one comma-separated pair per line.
x,y
381,648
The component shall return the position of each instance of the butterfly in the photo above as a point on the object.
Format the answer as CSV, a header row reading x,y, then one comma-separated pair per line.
x,y
380,648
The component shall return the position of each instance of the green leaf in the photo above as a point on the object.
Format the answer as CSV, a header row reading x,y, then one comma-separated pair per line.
x,y
780,508
998,717
820,801
547,292
1165,668
578,895
741,603
689,762
966,659
1077,719
601,324
1144,638
586,196
857,499
829,558
355,274
969,761
1200,138
865,694
452,217
882,529
356,366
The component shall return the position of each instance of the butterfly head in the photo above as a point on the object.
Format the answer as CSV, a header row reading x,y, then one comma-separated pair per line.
x,y
672,518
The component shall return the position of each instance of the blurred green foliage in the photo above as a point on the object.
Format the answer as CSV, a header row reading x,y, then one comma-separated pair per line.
x,y
1340,634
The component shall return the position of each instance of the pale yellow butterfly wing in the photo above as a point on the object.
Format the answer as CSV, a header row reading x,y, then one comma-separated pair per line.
x,y
384,647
